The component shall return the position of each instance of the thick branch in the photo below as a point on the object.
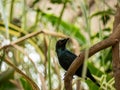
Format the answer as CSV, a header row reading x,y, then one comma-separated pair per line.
x,y
114,37
115,53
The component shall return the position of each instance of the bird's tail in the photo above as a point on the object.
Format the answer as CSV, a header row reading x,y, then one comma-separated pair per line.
x,y
94,80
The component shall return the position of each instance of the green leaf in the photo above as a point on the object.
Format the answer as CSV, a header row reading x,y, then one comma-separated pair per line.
x,y
57,1
95,71
105,12
92,85
25,84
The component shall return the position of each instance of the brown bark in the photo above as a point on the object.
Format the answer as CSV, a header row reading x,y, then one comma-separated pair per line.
x,y
115,53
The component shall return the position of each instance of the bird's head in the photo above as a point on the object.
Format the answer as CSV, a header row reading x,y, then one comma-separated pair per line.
x,y
61,43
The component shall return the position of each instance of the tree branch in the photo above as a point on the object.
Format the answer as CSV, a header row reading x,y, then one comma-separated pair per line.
x,y
32,35
115,52
113,39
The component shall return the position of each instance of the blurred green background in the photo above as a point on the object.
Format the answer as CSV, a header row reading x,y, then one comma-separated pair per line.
x,y
86,22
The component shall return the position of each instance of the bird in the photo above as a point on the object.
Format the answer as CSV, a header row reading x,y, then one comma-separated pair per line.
x,y
65,58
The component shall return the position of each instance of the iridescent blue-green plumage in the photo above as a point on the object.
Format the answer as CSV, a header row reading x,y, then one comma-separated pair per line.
x,y
66,58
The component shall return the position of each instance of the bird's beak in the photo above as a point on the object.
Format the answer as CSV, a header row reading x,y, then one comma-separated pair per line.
x,y
65,40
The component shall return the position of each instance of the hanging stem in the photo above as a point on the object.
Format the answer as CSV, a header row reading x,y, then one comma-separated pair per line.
x,y
61,14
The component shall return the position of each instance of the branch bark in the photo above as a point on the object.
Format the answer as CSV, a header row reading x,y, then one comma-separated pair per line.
x,y
115,52
110,41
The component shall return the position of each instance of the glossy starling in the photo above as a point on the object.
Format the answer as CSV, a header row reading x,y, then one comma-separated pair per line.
x,y
66,58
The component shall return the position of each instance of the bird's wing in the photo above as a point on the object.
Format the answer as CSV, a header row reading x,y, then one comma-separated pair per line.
x,y
67,59
71,55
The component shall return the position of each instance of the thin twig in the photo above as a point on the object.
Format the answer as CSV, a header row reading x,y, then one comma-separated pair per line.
x,y
32,35
40,75
34,85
